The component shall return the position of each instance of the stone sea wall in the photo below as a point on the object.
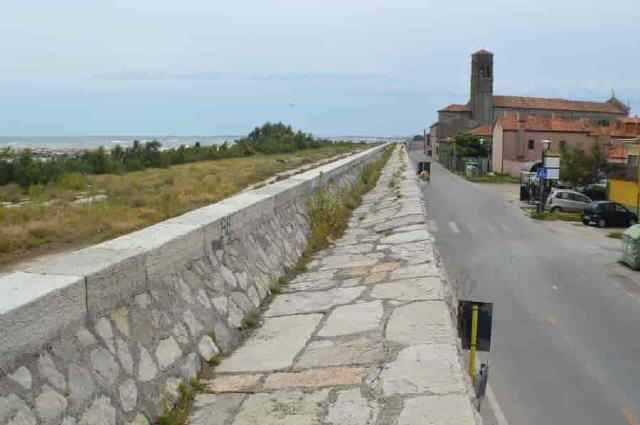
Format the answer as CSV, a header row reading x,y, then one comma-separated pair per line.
x,y
106,334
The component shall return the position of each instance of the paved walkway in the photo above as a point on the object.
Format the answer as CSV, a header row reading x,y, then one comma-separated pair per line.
x,y
364,337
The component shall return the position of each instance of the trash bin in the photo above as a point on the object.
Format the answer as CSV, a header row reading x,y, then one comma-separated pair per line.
x,y
631,247
471,169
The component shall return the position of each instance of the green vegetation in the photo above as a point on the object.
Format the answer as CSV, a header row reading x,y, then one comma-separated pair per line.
x,y
54,219
614,235
469,146
579,167
556,216
418,138
250,320
329,210
25,169
179,413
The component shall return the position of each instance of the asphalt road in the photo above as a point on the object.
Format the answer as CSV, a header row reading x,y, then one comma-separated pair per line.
x,y
566,334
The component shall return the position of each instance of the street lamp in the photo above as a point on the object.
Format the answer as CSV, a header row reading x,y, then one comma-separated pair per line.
x,y
481,149
545,148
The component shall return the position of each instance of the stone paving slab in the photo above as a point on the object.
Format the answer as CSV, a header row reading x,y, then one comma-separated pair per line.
x,y
273,346
364,337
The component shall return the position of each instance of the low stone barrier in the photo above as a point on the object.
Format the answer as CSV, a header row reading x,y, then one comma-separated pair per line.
x,y
106,334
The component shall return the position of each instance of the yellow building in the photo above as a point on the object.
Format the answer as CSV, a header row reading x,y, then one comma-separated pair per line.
x,y
623,187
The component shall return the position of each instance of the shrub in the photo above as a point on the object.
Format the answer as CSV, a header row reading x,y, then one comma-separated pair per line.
x,y
72,181
10,193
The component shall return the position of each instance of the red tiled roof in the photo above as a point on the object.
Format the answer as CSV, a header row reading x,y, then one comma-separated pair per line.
x,y
540,123
520,102
618,152
456,108
483,130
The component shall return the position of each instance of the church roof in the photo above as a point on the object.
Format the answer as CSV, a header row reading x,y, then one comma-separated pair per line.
x,y
540,123
483,52
456,108
520,102
483,130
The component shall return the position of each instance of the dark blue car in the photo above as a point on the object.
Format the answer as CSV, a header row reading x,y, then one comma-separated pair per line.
x,y
605,213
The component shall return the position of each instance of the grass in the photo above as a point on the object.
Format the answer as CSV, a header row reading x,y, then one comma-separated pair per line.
x,y
556,216
615,235
179,413
250,320
53,222
329,210
490,178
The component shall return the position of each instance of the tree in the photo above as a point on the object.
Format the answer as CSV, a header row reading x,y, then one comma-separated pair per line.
x,y
598,158
579,167
469,146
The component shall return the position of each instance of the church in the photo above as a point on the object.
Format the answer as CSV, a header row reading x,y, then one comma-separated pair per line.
x,y
484,108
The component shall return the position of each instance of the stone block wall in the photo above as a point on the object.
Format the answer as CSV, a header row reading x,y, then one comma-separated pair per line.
x,y
106,334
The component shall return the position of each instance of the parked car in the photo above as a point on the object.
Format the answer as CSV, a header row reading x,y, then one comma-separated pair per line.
x,y
595,191
605,213
567,200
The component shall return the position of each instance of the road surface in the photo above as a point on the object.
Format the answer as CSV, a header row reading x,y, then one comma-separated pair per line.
x,y
566,336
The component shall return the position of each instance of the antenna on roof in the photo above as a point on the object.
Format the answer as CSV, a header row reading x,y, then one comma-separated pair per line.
x,y
613,92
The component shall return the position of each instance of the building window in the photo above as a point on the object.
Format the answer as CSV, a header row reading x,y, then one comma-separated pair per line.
x,y
530,144
618,125
632,160
603,123
437,151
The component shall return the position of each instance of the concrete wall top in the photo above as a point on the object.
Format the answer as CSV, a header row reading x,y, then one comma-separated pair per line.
x,y
41,301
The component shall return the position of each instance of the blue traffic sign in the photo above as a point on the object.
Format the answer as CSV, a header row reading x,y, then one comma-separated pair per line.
x,y
541,173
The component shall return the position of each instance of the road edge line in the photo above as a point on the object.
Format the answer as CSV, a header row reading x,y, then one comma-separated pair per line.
x,y
493,403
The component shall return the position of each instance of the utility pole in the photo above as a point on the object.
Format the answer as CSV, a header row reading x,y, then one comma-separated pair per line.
x,y
424,142
545,147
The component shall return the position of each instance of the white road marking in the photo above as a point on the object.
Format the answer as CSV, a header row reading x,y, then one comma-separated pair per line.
x,y
490,227
505,228
555,288
495,407
454,227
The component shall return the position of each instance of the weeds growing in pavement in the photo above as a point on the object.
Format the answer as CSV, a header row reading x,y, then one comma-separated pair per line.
x,y
251,320
179,413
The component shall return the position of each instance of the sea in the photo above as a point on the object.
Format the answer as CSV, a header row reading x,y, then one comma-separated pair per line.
x,y
108,142
63,143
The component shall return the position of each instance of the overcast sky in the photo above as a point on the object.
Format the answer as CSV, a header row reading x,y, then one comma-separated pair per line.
x,y
331,67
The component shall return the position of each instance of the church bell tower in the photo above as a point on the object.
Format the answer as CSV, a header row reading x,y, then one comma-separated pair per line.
x,y
482,87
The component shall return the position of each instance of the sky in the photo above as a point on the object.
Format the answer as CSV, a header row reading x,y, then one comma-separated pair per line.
x,y
331,67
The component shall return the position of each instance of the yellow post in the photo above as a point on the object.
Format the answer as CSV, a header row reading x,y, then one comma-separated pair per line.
x,y
474,342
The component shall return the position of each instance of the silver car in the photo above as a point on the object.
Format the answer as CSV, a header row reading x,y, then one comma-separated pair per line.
x,y
567,200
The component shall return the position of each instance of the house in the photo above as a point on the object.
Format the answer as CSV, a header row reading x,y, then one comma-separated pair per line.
x,y
625,153
518,139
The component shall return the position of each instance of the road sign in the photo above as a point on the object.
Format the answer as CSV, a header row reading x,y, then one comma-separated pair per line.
x,y
552,166
541,173
485,313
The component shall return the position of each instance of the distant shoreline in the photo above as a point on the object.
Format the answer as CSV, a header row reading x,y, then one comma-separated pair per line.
x,y
67,144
